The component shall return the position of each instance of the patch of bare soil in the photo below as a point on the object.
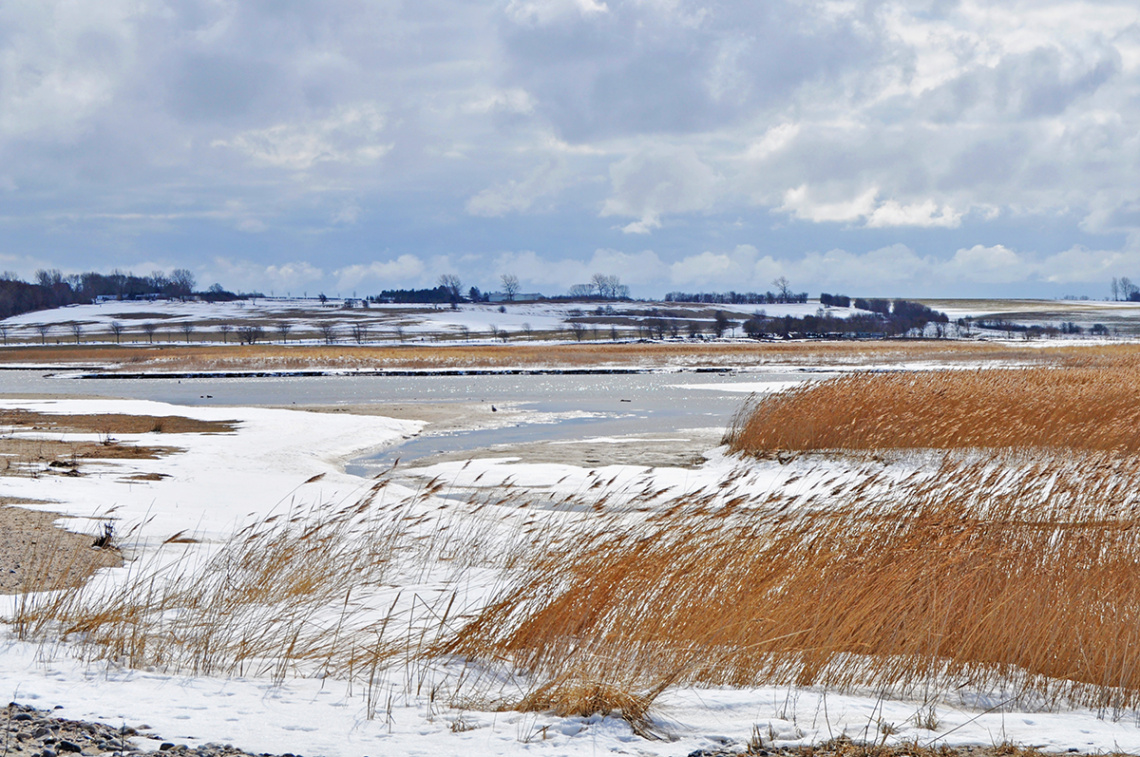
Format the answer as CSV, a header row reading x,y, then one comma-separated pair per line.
x,y
34,457
112,423
37,555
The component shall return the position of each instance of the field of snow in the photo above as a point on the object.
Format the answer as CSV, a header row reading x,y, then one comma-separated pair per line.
x,y
291,463
304,318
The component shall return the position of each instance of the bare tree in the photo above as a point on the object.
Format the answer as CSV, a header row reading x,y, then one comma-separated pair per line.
x,y
578,330
76,330
181,283
454,287
283,329
510,285
783,289
4,332
117,330
528,330
149,328
250,334
187,328
613,333
225,330
580,291
399,332
328,332
1115,289
44,329
464,332
360,332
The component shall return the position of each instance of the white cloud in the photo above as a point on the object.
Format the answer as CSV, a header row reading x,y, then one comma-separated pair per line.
x,y
518,195
799,203
352,136
659,181
249,275
548,11
386,273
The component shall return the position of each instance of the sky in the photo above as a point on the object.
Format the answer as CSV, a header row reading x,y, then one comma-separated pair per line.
x,y
929,148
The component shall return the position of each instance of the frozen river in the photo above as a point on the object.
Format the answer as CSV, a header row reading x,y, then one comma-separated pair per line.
x,y
570,406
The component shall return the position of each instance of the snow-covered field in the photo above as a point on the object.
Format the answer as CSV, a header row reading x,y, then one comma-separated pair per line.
x,y
303,319
281,462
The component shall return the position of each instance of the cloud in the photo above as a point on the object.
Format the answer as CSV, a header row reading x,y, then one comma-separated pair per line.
x,y
248,275
518,195
350,136
652,183
383,274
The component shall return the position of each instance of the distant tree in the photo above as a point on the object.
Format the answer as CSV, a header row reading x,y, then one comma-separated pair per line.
x,y
613,333
328,332
283,329
4,332
44,329
580,291
399,333
1115,289
225,330
474,294
510,284
783,289
76,330
250,334
117,330
149,328
694,329
720,323
1127,288
578,330
464,332
322,298
609,287
527,330
360,332
187,328
181,283
454,288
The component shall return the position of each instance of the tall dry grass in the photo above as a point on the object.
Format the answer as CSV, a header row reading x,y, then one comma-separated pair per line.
x,y
1000,574
1043,408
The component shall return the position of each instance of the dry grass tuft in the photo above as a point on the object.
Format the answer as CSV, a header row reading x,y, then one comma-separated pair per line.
x,y
1044,408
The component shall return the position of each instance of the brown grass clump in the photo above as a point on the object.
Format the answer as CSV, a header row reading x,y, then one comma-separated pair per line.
x,y
1043,408
1017,578
111,423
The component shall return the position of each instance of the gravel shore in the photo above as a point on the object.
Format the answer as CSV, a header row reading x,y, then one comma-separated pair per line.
x,y
38,733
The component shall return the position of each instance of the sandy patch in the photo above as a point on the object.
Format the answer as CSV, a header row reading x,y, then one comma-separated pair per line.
x,y
37,554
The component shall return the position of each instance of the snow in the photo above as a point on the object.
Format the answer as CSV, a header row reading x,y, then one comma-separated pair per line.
x,y
382,321
220,482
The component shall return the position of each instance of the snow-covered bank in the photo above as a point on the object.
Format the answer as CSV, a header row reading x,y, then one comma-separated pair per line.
x,y
220,482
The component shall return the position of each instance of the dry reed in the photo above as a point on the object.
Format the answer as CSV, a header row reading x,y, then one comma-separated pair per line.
x,y
1046,408
996,574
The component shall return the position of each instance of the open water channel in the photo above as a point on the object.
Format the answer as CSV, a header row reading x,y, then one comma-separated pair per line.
x,y
567,406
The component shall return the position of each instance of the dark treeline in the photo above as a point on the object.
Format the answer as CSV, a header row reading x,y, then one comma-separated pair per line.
x,y
886,318
737,298
51,289
438,295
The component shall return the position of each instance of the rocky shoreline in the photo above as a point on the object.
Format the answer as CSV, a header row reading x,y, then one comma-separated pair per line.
x,y
39,733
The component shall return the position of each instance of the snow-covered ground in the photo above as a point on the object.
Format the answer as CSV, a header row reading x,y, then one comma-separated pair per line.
x,y
304,318
288,461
